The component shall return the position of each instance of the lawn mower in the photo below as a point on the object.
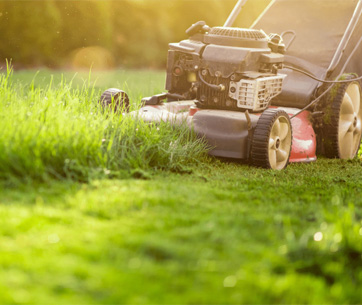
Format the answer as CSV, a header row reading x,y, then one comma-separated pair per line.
x,y
270,99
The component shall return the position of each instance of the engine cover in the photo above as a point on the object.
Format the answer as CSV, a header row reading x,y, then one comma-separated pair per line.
x,y
227,60
237,37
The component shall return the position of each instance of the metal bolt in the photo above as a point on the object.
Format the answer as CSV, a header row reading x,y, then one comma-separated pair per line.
x,y
217,73
232,89
215,100
204,72
233,77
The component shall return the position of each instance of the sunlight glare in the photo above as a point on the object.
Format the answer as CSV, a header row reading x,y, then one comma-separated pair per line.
x,y
318,236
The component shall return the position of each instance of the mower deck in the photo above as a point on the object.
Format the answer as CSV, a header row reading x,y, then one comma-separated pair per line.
x,y
230,132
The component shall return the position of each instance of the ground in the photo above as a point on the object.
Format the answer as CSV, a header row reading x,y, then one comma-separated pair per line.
x,y
207,231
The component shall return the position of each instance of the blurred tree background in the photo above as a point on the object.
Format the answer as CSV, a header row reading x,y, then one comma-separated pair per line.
x,y
105,34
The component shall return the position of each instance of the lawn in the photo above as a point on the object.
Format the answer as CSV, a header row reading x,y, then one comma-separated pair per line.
x,y
96,208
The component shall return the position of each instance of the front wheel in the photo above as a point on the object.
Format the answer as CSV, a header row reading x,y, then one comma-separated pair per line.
x,y
272,140
115,99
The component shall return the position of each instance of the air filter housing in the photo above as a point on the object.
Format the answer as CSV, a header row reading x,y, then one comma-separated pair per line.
x,y
256,94
237,37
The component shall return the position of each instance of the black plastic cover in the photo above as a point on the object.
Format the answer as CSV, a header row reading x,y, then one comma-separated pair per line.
x,y
228,60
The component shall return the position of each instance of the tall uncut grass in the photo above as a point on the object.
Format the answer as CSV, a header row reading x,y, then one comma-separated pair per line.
x,y
62,132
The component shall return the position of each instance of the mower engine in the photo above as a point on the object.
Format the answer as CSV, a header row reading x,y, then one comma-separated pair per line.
x,y
226,68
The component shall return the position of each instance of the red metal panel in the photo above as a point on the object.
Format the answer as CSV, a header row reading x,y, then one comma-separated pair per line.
x,y
304,139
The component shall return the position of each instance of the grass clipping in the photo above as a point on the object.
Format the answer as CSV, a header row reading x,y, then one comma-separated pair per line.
x,y
60,132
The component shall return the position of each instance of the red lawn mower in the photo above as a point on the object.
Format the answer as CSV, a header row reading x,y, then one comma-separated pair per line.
x,y
267,98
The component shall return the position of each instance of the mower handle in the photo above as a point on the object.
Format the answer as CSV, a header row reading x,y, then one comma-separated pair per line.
x,y
346,37
234,14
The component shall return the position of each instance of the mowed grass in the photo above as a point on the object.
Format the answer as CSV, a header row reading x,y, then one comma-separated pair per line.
x,y
205,231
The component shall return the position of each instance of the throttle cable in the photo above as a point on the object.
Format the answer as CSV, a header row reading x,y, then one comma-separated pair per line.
x,y
322,81
331,86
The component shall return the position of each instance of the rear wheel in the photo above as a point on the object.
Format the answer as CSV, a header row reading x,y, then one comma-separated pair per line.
x,y
272,140
115,99
342,128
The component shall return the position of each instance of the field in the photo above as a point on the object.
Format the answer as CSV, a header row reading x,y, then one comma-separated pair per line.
x,y
98,208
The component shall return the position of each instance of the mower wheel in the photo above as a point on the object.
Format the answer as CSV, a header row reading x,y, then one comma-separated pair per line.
x,y
115,99
272,140
342,129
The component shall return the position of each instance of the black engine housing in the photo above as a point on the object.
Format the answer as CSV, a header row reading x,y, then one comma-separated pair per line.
x,y
197,67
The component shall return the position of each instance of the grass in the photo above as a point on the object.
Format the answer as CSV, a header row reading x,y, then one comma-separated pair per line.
x,y
219,232
62,132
